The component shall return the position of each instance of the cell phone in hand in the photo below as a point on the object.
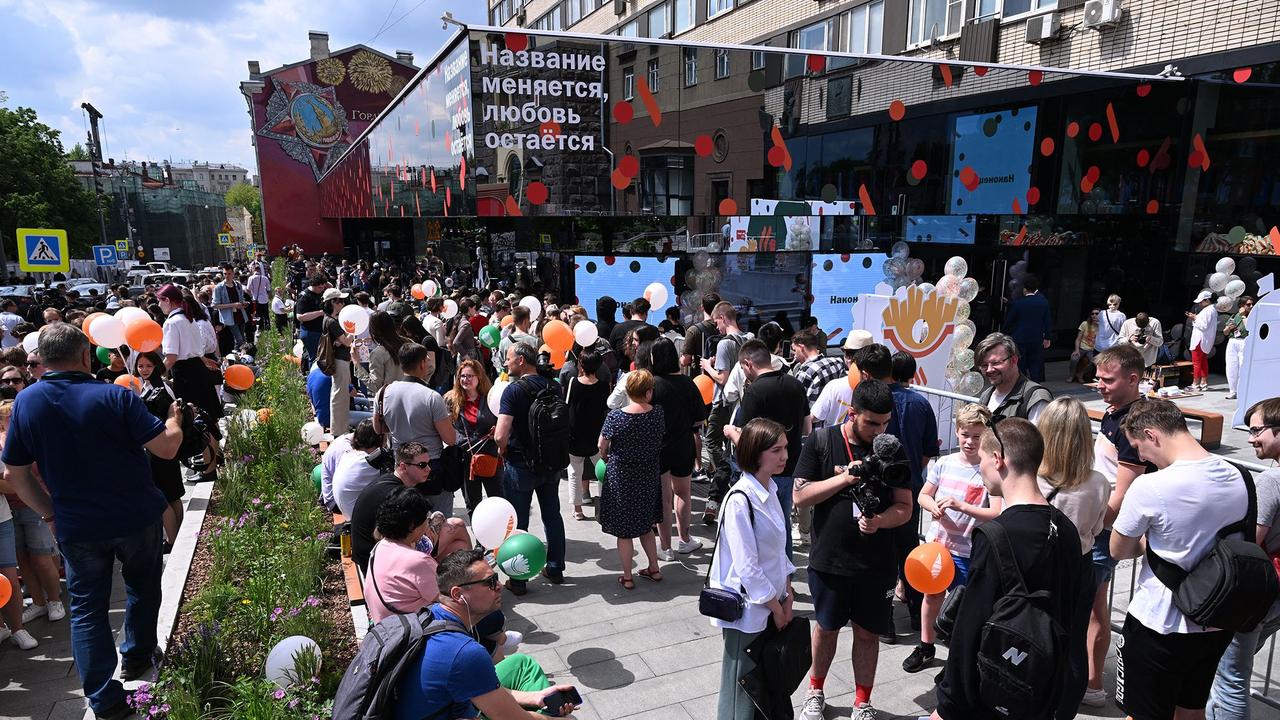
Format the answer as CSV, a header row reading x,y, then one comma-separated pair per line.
x,y
557,699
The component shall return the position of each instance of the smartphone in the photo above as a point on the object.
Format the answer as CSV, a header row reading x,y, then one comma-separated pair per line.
x,y
557,699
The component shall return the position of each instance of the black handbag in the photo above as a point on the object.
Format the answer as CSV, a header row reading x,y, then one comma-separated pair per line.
x,y
455,467
720,603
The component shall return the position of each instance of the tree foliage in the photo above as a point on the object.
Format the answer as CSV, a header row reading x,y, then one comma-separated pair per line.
x,y
38,189
250,198
78,153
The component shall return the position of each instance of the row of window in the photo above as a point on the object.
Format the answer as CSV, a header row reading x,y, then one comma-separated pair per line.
x,y
858,31
932,19
691,55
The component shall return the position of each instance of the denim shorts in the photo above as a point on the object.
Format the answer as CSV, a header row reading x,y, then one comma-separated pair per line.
x,y
8,554
31,533
1103,564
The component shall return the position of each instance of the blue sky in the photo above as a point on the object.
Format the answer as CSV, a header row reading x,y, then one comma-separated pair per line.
x,y
166,73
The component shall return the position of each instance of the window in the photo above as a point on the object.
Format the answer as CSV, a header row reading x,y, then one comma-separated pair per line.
x,y
715,7
631,29
934,19
652,77
866,27
628,83
1012,8
683,15
658,25
666,184
757,59
690,66
550,21
575,11
814,37
722,64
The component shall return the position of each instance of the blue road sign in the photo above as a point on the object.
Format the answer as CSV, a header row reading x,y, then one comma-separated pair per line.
x,y
104,255
43,250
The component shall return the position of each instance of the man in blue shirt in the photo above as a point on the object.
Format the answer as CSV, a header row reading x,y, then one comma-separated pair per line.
x,y
88,439
1030,324
455,677
318,385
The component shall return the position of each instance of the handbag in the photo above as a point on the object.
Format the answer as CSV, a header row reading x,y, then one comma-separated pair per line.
x,y
326,357
455,467
482,465
721,603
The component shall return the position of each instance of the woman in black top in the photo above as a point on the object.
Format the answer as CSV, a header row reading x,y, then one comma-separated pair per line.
x,y
167,474
340,392
684,412
468,404
586,397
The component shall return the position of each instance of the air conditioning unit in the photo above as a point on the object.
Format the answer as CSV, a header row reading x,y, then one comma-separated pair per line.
x,y
1099,14
1043,28
521,17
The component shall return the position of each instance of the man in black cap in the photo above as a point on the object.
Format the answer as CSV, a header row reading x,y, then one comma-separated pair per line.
x,y
309,309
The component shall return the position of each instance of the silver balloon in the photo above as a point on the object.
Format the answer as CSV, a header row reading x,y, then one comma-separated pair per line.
x,y
963,336
963,358
949,286
1226,304
915,267
968,289
970,384
962,311
900,250
1226,266
1235,289
926,288
701,259
1218,281
895,268
956,267
966,322
954,372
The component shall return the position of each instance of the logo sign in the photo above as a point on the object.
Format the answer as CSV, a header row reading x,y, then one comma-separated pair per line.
x,y
122,247
1015,656
43,250
224,239
104,255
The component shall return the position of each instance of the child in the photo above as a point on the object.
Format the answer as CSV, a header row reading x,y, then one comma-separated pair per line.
x,y
954,495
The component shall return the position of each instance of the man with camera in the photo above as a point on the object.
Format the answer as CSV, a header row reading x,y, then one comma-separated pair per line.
x,y
1144,334
856,479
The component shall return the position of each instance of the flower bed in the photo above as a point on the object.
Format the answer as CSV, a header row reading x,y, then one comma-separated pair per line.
x,y
262,571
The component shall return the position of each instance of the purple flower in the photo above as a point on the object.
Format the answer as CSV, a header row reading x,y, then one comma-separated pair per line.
x,y
257,501
293,703
278,694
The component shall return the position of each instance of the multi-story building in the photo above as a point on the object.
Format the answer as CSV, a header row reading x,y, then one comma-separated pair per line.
x,y
210,177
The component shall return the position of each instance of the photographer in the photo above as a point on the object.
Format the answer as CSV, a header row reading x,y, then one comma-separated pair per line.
x,y
1144,334
852,567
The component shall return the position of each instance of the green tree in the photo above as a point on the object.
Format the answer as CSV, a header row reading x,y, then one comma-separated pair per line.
x,y
37,187
250,198
78,153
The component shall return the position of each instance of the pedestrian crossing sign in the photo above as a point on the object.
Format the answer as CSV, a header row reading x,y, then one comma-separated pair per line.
x,y
43,250
122,247
224,239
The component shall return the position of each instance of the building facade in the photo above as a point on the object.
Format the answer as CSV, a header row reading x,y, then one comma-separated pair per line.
x,y
210,177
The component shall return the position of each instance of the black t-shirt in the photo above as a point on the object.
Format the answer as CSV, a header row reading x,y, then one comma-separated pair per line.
x,y
839,547
333,329
1124,449
309,302
781,398
106,374
682,408
619,333
588,406
364,516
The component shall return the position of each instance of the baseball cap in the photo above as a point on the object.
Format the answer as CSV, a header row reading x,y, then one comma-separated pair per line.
x,y
332,293
1204,295
857,340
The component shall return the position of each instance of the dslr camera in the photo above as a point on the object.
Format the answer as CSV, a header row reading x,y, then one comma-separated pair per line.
x,y
877,471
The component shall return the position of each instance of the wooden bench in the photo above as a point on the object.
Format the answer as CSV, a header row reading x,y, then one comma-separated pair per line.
x,y
350,572
1210,424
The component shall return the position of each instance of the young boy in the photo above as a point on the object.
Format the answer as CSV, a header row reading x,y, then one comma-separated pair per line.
x,y
114,369
957,499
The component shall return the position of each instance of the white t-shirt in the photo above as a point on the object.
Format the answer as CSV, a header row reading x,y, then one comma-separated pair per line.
x,y
952,477
1085,505
1033,412
182,337
832,405
329,465
1110,323
352,475
1205,328
1180,510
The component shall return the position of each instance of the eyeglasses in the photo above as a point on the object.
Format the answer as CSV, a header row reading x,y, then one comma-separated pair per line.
x,y
13,381
467,377
1256,431
997,362
33,364
490,582
419,465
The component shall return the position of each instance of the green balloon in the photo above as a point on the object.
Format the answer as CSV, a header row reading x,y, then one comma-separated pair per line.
x,y
103,357
316,472
490,335
522,556
600,468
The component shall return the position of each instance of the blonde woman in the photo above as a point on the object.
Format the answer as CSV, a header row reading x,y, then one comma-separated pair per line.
x,y
468,404
1069,482
631,444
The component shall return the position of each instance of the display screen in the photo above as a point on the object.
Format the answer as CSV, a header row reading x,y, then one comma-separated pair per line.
x,y
950,229
991,161
624,279
837,282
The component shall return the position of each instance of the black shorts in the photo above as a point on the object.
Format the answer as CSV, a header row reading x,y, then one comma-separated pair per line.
x,y
864,598
1155,673
677,460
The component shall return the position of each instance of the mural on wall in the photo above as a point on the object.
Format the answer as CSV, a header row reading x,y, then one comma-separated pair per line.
x,y
308,122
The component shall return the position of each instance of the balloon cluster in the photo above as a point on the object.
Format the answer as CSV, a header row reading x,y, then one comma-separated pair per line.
x,y
901,270
956,283
519,555
1225,282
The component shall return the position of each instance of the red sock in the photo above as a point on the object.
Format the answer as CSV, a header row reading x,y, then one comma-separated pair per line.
x,y
816,683
861,695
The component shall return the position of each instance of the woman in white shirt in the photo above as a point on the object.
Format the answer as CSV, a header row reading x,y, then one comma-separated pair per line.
x,y
1204,332
750,558
184,345
1110,321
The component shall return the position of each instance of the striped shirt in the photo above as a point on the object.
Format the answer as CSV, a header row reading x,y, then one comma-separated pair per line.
x,y
816,373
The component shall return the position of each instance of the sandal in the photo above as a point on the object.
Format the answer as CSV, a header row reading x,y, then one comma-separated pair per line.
x,y
579,515
627,583
654,575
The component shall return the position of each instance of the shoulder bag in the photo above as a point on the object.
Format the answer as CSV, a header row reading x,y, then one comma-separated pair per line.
x,y
721,603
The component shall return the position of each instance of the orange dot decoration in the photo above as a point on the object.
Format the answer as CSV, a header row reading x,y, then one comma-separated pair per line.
x,y
238,377
536,192
707,387
1153,207
897,110
143,334
728,206
129,381
1047,147
919,169
930,569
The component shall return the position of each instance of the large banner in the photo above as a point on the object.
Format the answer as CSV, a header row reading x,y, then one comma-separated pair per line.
x,y
991,161
839,282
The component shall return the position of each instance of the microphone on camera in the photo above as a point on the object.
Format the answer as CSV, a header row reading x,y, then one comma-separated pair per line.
x,y
885,447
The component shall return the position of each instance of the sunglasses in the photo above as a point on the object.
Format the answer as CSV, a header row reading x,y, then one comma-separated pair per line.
x,y
490,582
33,364
419,465
13,381
1256,431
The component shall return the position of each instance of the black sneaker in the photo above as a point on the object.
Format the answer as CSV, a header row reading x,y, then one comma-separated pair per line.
x,y
116,712
134,671
919,658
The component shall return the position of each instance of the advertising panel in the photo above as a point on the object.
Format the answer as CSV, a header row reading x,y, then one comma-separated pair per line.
x,y
838,282
948,229
991,161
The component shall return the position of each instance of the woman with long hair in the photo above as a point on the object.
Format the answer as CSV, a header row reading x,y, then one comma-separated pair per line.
x,y
184,345
468,404
586,397
684,413
384,359
630,444
340,390
166,474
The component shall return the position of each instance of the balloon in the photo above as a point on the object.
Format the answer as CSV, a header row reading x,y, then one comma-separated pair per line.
x,y
88,320
915,267
31,342
522,556
1226,304
970,384
495,395
963,336
143,334
601,469
450,309
895,268
417,292
558,336
656,294
126,314
962,311
535,307
282,658
930,569
317,476
506,320
431,288
1226,266
101,352
1218,281
557,359
248,418
1234,289
926,288
108,331
238,377
964,358
854,377
957,267
949,286
353,319
490,336
298,349
312,433
6,590
707,387
968,289
586,333
900,250
493,521
129,381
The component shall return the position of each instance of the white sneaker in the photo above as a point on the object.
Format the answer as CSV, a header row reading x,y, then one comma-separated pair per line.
x,y
1094,698
23,640
666,555
813,706
56,611
513,641
864,712
32,612
684,547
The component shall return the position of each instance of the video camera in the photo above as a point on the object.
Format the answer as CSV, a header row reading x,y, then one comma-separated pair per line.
x,y
873,494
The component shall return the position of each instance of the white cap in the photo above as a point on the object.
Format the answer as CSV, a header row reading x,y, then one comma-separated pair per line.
x,y
1204,295
857,340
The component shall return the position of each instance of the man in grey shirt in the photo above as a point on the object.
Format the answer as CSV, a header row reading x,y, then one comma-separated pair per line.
x,y
410,411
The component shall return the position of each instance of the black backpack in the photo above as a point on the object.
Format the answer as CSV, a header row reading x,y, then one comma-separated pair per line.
x,y
548,448
1232,587
1023,647
368,688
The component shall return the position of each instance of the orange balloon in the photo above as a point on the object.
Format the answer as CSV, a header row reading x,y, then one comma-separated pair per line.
x,y
293,359
5,590
558,336
238,377
557,359
88,320
930,569
506,320
131,382
707,387
417,291
855,376
143,334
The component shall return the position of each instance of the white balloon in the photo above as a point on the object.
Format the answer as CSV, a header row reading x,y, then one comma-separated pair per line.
x,y
535,307
298,349
493,521
108,331
656,294
280,661
430,288
312,433
1218,281
963,336
926,288
1235,289
900,250
949,286
956,267
585,333
968,289
31,342
1226,266
450,309
353,319
248,417
1226,304
883,288
495,395
126,314
970,384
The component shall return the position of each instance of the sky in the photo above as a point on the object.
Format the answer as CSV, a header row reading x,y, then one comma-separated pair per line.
x,y
166,74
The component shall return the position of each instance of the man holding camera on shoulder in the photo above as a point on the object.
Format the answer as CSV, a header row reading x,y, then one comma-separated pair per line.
x,y
856,479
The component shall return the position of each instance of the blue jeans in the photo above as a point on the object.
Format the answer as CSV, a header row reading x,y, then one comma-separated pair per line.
x,y
90,568
521,484
1229,696
310,346
784,497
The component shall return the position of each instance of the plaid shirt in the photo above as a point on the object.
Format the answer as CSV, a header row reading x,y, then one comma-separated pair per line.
x,y
815,374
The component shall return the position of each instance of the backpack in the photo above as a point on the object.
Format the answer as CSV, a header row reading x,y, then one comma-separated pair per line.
x,y
368,687
326,355
548,448
1023,647
1233,586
